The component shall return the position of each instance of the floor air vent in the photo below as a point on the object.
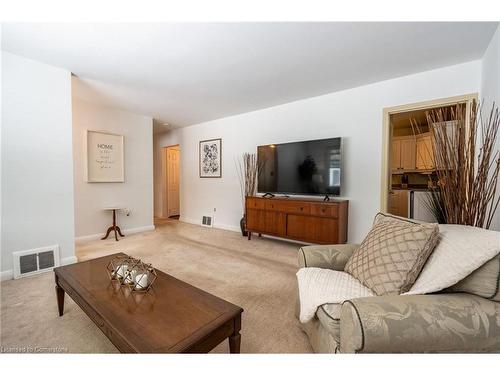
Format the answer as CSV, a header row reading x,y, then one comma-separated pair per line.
x,y
31,262
206,221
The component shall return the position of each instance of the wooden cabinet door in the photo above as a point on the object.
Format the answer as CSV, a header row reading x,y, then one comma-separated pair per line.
x,y
430,153
425,152
396,154
276,223
325,230
398,203
393,203
312,229
300,227
256,220
420,163
407,152
402,197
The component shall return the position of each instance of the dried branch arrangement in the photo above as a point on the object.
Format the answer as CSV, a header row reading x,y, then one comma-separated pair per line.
x,y
467,165
434,204
248,169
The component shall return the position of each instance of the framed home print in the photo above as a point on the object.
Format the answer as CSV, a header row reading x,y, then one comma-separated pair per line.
x,y
211,158
104,157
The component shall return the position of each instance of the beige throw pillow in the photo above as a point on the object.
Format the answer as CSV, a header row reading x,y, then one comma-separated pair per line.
x,y
392,255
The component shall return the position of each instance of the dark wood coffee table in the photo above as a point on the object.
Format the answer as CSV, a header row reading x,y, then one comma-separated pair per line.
x,y
174,317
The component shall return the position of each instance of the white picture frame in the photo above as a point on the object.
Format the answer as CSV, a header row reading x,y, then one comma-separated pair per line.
x,y
104,156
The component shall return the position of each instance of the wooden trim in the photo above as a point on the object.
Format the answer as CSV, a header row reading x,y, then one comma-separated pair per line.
x,y
199,157
164,180
164,185
386,134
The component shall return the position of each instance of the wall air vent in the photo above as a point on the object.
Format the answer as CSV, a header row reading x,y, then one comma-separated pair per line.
x,y
206,221
32,262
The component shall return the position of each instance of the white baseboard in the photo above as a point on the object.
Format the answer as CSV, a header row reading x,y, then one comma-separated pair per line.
x,y
139,229
189,221
69,260
6,275
9,274
97,236
231,228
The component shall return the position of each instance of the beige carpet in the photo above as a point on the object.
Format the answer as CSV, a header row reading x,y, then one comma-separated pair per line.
x,y
258,275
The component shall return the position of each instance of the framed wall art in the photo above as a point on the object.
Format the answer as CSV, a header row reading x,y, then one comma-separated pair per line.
x,y
104,157
211,158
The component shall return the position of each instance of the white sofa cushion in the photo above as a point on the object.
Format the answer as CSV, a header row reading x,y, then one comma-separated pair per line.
x,y
460,251
318,286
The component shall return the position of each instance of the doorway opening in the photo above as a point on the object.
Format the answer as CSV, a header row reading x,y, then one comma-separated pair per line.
x,y
408,162
171,182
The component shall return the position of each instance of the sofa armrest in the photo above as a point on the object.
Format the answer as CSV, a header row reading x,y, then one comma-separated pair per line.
x,y
420,324
333,257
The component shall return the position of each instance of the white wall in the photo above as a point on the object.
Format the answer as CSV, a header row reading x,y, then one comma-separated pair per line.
x,y
490,89
490,80
136,193
37,167
355,115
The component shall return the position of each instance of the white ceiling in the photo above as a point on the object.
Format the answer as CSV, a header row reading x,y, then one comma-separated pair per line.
x,y
189,73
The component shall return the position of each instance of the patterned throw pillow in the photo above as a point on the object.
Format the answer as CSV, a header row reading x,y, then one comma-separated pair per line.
x,y
392,255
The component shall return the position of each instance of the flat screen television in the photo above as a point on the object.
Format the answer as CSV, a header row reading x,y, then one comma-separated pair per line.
x,y
308,167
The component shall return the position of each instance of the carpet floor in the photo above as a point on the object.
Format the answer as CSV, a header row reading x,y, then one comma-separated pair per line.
x,y
258,275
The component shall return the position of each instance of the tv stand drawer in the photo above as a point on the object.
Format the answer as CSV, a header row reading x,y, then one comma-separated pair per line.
x,y
325,209
255,203
293,207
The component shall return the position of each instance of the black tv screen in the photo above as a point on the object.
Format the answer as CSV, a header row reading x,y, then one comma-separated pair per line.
x,y
309,167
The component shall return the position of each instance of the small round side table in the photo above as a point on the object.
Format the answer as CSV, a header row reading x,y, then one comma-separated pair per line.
x,y
114,227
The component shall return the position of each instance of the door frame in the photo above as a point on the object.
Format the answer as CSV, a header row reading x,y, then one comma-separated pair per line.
x,y
386,134
164,180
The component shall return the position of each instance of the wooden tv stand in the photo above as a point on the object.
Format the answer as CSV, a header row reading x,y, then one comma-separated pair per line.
x,y
308,220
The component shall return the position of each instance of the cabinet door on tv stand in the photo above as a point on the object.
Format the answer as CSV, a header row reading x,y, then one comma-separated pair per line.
x,y
313,229
300,227
276,223
256,220
326,230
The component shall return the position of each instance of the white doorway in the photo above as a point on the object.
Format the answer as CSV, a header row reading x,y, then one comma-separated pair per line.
x,y
171,182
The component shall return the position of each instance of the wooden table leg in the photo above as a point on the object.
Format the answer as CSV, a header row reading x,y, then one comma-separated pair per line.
x,y
107,233
114,228
119,231
60,297
249,236
235,338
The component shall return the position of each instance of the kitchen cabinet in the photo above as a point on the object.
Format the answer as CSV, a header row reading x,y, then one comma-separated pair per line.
x,y
424,152
398,202
403,153
408,153
396,154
